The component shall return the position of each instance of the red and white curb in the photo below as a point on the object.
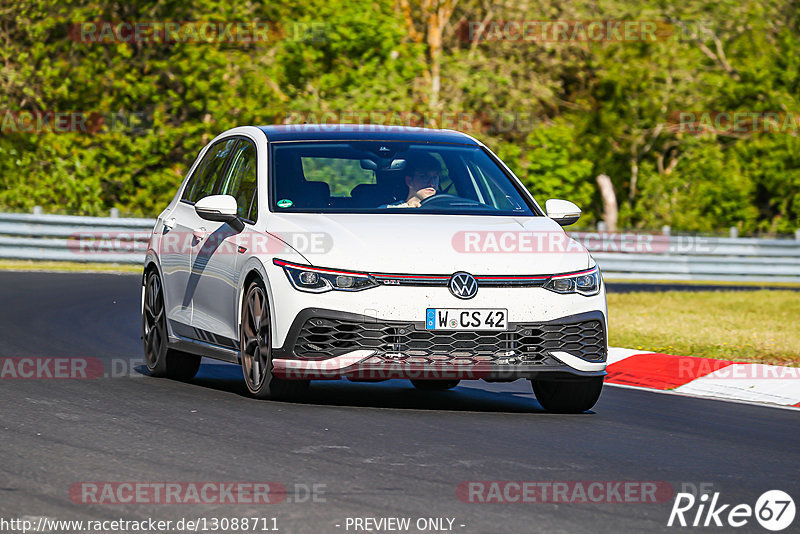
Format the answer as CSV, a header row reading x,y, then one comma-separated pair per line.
x,y
705,377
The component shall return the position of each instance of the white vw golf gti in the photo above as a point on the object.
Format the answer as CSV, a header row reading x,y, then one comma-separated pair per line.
x,y
371,252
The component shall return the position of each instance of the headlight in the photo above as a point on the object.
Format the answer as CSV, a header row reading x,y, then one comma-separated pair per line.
x,y
320,280
584,282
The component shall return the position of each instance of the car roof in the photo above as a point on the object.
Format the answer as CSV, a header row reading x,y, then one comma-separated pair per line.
x,y
363,132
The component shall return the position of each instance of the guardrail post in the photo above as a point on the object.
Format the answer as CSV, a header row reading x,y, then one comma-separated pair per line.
x,y
601,226
37,210
734,232
666,229
797,234
114,213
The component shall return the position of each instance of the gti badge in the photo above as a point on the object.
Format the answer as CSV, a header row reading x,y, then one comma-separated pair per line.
x,y
463,285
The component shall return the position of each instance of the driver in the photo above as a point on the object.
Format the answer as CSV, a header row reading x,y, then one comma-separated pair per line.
x,y
422,179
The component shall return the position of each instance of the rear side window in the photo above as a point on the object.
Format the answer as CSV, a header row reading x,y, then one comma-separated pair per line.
x,y
240,180
205,178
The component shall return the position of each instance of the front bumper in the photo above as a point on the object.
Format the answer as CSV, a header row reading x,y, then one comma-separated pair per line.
x,y
329,344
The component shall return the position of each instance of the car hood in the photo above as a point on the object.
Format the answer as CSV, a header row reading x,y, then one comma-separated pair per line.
x,y
430,244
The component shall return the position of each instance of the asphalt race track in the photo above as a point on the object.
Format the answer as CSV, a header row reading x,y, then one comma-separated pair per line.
x,y
380,450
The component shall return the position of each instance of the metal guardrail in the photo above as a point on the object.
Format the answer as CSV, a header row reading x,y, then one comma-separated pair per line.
x,y
685,257
58,238
620,255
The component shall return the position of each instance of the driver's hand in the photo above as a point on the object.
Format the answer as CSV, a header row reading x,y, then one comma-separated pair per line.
x,y
414,203
425,193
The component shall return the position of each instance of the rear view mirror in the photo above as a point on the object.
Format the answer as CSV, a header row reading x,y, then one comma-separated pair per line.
x,y
563,212
369,165
219,208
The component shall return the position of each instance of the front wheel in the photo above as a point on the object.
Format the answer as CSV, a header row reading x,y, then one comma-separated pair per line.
x,y
161,360
255,336
567,396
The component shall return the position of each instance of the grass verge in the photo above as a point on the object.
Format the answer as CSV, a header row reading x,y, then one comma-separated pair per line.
x,y
720,283
67,267
746,326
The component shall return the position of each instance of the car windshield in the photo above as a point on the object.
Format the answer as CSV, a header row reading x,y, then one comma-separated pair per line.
x,y
391,177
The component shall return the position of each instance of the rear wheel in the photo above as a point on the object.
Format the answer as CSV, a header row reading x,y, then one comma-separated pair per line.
x,y
161,360
256,349
435,385
567,396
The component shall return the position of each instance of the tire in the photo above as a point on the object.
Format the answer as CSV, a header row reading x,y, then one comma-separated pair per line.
x,y
567,396
435,385
255,351
161,360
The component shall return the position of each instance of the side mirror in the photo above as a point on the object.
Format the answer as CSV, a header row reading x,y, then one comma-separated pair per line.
x,y
563,212
219,208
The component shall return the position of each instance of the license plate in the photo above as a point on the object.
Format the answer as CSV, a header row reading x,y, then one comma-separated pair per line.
x,y
466,319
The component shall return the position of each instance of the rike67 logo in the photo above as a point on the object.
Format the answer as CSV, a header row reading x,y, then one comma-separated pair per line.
x,y
774,510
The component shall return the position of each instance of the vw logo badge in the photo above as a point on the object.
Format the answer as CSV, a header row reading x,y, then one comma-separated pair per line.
x,y
463,285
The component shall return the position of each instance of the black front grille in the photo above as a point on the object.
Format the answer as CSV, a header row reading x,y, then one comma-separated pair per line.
x,y
524,343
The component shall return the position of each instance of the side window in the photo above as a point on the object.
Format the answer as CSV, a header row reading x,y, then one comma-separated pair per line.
x,y
205,177
492,187
240,181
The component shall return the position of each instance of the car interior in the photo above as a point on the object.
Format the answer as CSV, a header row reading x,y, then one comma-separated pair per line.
x,y
360,179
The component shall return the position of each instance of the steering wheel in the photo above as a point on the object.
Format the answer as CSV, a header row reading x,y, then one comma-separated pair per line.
x,y
443,199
